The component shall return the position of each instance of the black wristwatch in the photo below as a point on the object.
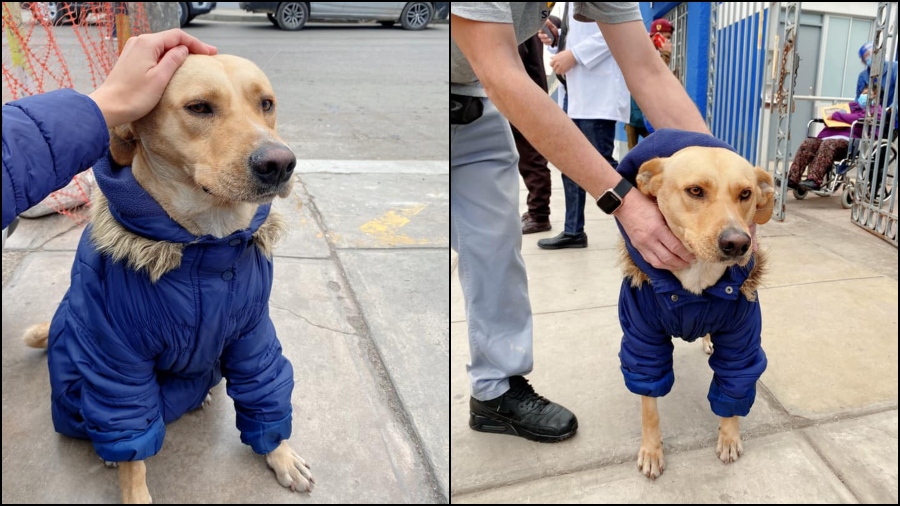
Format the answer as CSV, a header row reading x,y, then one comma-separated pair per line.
x,y
611,200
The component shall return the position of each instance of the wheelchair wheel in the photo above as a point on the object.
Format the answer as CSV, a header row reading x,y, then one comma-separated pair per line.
x,y
847,197
800,192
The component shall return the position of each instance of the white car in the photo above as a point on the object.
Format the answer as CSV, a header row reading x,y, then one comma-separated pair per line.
x,y
293,15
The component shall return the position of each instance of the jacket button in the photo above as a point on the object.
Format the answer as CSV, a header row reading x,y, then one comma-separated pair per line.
x,y
729,290
234,242
674,298
227,275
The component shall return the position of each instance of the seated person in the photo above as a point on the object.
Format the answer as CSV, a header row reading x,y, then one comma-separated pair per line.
x,y
831,144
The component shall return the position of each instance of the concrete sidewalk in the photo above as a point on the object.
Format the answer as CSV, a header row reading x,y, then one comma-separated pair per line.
x,y
824,425
360,304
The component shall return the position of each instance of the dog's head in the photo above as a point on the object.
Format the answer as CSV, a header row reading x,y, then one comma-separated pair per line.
x,y
213,130
710,197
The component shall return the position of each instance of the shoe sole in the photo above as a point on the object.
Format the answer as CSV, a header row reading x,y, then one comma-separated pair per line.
x,y
484,424
536,230
563,247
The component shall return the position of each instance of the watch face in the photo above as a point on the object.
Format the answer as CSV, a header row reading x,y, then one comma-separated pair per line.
x,y
609,202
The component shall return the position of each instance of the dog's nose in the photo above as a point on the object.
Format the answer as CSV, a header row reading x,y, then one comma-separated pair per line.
x,y
273,163
733,242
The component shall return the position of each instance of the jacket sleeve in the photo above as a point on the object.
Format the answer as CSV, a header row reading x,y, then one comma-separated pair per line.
x,y
592,51
645,355
47,140
260,380
848,117
120,400
737,361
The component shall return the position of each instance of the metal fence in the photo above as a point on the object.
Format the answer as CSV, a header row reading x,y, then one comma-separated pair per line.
x,y
875,194
750,101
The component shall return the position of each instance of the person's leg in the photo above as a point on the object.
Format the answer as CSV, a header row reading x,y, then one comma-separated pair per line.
x,y
485,230
602,135
829,151
805,154
632,135
534,171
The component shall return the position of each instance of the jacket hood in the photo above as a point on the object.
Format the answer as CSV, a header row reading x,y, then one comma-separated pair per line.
x,y
661,144
136,210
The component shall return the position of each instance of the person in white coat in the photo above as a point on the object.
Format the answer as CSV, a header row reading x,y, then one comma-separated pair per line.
x,y
595,97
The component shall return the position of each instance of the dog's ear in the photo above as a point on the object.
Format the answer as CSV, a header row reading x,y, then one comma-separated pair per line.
x,y
122,144
765,203
649,177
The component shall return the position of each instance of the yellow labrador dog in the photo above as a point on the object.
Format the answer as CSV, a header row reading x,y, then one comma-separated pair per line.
x,y
710,197
170,287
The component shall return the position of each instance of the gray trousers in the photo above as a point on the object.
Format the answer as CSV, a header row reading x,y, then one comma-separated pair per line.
x,y
486,232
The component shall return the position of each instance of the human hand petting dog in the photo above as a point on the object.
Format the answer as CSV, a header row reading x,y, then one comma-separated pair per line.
x,y
139,77
649,233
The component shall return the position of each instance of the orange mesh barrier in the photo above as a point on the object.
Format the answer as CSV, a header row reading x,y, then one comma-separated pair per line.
x,y
49,46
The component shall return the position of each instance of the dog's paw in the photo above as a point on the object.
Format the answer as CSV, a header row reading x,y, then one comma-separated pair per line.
x,y
707,345
290,470
139,496
651,460
729,447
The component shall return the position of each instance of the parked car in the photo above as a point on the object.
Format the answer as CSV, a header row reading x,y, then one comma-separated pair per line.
x,y
189,10
59,12
293,15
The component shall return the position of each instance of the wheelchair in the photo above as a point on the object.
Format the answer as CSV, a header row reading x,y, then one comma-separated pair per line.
x,y
838,175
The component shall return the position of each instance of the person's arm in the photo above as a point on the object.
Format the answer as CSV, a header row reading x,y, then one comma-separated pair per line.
x,y
491,50
592,51
47,139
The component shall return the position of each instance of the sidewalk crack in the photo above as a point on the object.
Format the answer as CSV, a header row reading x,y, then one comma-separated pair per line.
x,y
323,327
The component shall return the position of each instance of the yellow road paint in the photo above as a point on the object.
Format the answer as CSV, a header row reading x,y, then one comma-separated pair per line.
x,y
386,228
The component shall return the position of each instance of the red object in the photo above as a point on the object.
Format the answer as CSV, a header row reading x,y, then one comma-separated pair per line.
x,y
661,26
658,40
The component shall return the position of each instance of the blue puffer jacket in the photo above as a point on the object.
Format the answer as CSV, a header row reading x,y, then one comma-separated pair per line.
x,y
650,315
47,139
128,356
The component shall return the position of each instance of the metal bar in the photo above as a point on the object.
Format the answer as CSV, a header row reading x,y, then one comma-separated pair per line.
x,y
711,72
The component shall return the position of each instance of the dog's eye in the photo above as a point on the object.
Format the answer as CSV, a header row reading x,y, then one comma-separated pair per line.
x,y
199,108
695,191
267,105
746,194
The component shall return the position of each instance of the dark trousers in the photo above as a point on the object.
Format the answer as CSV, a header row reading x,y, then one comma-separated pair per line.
x,y
533,165
602,134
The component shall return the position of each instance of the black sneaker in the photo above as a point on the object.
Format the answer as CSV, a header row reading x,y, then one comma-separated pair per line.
x,y
812,185
564,240
522,412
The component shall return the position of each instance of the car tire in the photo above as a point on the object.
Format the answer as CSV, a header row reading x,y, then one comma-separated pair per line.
x,y
183,13
416,15
387,24
272,19
292,15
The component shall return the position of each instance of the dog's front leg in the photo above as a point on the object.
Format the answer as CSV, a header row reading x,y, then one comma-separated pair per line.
x,y
290,470
133,482
651,461
729,447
